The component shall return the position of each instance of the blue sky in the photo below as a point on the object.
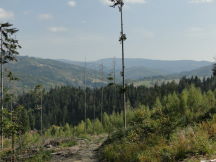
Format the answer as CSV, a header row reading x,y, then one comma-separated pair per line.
x,y
75,29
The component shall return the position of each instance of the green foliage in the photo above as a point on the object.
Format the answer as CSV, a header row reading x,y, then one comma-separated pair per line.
x,y
176,129
30,138
52,131
65,104
9,45
41,156
98,127
68,143
15,122
80,128
174,125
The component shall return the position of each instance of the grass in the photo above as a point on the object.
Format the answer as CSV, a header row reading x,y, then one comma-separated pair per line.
x,y
41,156
146,141
68,143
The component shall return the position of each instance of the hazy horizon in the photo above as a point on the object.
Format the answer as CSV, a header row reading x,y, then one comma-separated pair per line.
x,y
93,60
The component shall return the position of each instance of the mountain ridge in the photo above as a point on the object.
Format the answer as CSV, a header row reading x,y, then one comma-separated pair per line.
x,y
157,67
51,73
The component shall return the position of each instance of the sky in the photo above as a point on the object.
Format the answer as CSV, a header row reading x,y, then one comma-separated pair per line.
x,y
75,29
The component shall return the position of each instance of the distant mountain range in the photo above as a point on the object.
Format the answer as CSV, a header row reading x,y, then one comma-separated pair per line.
x,y
50,73
205,71
141,68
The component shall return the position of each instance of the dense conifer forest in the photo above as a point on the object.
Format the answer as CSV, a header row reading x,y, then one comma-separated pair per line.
x,y
63,105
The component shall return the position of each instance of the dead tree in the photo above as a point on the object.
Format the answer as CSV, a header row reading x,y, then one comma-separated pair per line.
x,y
85,106
102,91
120,4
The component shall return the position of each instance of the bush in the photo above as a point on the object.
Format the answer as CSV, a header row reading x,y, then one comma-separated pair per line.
x,y
182,126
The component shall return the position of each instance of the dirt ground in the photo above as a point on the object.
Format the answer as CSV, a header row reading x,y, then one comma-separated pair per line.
x,y
84,151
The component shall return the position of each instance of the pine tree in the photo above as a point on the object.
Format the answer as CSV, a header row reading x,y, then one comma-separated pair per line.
x,y
8,52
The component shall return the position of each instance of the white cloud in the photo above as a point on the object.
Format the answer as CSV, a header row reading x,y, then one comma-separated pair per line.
x,y
199,32
196,29
135,1
45,16
201,1
72,3
57,29
6,14
27,12
108,2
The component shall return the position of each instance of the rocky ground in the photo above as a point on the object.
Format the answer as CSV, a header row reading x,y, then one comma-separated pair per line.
x,y
84,151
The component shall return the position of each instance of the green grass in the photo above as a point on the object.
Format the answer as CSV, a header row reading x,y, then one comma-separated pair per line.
x,y
68,143
41,156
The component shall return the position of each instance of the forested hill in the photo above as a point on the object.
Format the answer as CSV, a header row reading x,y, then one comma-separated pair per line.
x,y
202,72
140,68
49,73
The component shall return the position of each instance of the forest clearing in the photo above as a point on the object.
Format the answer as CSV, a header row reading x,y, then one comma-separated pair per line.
x,y
120,109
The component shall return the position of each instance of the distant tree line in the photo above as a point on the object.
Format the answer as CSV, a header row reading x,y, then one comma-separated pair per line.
x,y
63,105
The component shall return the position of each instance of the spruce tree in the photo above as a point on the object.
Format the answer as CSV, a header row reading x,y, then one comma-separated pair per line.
x,y
8,52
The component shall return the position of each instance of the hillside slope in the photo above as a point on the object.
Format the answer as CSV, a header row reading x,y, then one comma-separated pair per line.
x,y
32,71
141,68
50,73
205,71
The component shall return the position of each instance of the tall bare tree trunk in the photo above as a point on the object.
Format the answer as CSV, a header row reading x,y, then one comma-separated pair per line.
x,y
2,93
102,94
13,135
41,124
85,98
114,84
122,39
94,100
